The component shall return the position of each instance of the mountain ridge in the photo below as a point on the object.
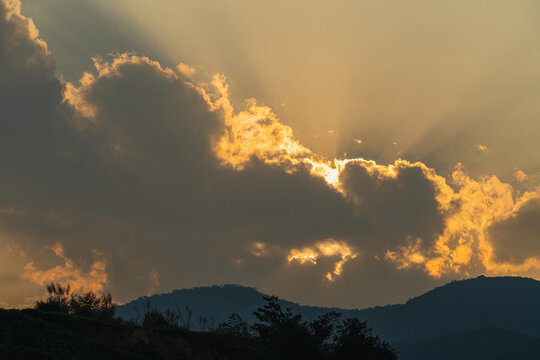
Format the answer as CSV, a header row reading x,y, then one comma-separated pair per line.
x,y
461,305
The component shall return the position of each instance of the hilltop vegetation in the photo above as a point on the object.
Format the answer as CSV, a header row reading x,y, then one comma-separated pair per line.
x,y
479,318
84,326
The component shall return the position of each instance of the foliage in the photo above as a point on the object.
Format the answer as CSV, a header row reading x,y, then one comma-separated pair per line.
x,y
153,318
322,329
235,325
60,299
354,340
283,335
206,324
90,305
171,318
37,335
279,334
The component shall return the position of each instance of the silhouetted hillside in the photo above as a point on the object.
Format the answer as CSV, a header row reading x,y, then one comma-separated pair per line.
x,y
31,334
484,344
510,303
73,326
218,302
449,314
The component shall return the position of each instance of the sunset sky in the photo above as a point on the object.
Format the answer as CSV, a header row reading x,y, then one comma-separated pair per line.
x,y
338,153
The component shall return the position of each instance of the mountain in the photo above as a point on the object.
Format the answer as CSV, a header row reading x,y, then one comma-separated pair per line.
x,y
467,312
484,344
510,303
217,302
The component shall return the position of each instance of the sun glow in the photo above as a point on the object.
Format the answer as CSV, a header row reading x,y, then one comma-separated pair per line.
x,y
470,206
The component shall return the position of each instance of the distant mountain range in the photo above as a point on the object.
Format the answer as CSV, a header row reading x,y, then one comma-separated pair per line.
x,y
480,318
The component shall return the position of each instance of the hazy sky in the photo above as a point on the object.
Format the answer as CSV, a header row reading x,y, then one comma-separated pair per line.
x,y
154,145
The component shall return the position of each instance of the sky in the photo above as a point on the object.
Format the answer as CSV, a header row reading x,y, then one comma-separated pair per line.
x,y
346,153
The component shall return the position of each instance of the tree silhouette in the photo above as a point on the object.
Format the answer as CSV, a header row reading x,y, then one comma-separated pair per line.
x,y
279,334
234,325
91,305
283,335
354,340
58,300
153,318
61,299
322,329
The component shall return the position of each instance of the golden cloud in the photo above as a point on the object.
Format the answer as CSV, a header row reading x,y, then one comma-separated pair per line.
x,y
26,31
470,211
470,207
94,279
327,248
481,148
76,96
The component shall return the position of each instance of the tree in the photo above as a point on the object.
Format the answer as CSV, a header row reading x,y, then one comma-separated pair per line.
x,y
234,325
91,305
153,318
322,329
61,299
354,340
283,335
58,299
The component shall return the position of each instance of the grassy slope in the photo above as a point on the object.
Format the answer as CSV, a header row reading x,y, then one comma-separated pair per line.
x,y
30,334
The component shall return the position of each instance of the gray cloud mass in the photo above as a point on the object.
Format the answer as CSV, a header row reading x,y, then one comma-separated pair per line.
x,y
136,186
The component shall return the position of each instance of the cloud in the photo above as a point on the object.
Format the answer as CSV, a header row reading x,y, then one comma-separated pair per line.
x,y
329,248
481,148
465,246
154,276
520,175
22,48
450,226
95,279
259,249
127,162
186,70
141,177
516,238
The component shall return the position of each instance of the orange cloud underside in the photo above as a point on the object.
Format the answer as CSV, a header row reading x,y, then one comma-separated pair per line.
x,y
94,279
327,248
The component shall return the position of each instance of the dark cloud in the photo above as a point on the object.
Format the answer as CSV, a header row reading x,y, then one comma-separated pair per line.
x,y
517,238
398,207
121,170
139,181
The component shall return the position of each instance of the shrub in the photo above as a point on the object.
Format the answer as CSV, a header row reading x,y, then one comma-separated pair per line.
x,y
61,299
